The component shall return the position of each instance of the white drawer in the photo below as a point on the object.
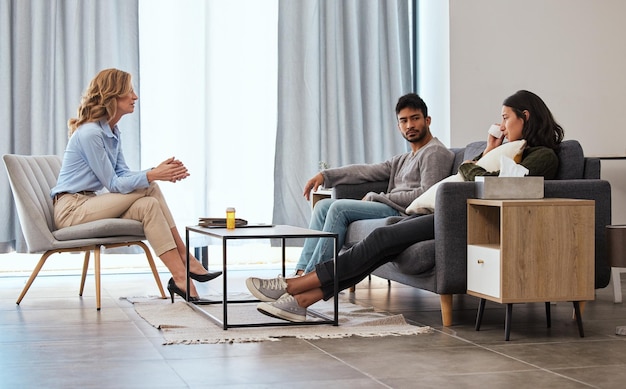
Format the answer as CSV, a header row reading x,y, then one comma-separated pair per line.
x,y
483,270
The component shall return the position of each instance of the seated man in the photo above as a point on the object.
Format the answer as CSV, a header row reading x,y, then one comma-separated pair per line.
x,y
409,175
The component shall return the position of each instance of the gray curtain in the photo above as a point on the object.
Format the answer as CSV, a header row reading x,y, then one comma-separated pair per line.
x,y
341,67
49,51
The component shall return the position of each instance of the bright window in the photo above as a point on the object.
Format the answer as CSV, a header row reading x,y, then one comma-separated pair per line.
x,y
207,93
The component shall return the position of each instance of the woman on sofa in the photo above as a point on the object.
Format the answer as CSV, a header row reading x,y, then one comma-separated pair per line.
x,y
524,116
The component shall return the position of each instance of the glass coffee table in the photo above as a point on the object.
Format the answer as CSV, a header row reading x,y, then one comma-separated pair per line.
x,y
280,232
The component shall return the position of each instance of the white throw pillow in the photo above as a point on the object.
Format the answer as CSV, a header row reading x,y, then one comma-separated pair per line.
x,y
425,203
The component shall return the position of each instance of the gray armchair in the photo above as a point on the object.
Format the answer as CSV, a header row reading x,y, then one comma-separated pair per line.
x,y
440,265
31,179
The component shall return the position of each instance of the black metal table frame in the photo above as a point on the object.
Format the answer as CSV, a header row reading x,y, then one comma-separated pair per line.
x,y
260,232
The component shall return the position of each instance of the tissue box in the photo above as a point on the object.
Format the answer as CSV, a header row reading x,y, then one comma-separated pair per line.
x,y
509,187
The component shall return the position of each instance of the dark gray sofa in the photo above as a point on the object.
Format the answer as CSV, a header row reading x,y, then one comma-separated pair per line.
x,y
439,265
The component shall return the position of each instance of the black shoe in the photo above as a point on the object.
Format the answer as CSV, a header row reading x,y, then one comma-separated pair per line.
x,y
205,277
174,289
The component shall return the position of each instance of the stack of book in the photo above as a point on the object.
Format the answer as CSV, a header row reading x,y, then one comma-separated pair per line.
x,y
219,222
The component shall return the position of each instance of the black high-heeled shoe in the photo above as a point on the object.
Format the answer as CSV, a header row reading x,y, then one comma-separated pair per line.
x,y
174,289
205,277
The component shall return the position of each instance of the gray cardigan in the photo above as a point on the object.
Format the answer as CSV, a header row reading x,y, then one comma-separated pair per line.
x,y
408,175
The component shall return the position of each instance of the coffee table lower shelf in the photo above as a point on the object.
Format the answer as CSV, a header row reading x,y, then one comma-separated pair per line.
x,y
282,232
197,306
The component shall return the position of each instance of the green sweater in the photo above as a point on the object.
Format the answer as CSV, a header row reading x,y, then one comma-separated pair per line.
x,y
539,160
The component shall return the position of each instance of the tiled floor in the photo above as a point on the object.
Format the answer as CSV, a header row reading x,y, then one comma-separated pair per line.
x,y
56,339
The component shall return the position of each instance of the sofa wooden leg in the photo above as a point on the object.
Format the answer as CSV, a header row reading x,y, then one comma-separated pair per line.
x,y
446,309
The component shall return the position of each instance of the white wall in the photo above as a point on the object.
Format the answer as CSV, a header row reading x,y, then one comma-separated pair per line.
x,y
434,64
569,52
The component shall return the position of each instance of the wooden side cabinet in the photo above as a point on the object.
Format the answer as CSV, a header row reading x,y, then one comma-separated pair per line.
x,y
320,194
538,250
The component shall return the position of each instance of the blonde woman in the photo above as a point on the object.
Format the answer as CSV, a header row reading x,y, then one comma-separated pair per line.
x,y
93,163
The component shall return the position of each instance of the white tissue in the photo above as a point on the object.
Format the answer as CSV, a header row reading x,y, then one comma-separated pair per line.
x,y
494,131
508,168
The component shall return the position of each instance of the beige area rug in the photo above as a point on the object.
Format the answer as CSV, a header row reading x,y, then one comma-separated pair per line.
x,y
182,324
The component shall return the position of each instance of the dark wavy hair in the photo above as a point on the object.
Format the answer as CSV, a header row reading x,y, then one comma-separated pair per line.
x,y
540,129
411,100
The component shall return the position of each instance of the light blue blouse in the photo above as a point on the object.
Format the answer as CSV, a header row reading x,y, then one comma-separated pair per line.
x,y
94,160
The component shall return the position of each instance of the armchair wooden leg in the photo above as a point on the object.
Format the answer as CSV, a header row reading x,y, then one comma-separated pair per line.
x,y
148,253
84,275
446,309
33,275
155,273
96,254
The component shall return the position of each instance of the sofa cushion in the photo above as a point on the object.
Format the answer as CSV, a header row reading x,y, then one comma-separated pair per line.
x,y
102,228
417,259
459,158
425,203
571,161
359,229
474,149
513,150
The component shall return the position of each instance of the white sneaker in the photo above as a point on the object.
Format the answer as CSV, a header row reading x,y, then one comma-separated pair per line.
x,y
268,290
285,308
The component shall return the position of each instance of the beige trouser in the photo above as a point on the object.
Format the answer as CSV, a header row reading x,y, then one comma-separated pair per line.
x,y
145,205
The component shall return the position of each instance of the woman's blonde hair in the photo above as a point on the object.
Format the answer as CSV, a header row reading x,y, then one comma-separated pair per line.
x,y
100,98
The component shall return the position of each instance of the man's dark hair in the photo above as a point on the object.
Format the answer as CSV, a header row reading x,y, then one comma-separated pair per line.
x,y
412,100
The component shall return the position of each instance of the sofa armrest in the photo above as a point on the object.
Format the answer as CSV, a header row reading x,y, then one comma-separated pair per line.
x,y
358,191
451,236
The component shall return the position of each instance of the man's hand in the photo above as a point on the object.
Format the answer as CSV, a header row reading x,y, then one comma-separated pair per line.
x,y
171,170
312,185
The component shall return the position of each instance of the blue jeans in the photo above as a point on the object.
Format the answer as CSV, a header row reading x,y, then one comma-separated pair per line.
x,y
334,215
